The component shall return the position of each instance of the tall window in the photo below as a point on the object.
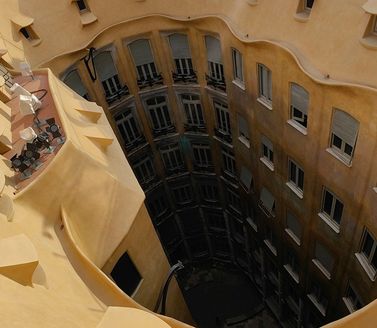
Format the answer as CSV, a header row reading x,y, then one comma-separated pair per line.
x,y
107,74
292,264
309,4
81,4
215,65
295,178
332,209
299,106
344,132
323,260
246,179
368,255
229,164
128,127
267,202
318,298
193,110
73,80
237,66
294,228
267,152
181,54
243,131
222,118
143,59
233,199
172,157
144,170
265,84
352,300
202,155
159,113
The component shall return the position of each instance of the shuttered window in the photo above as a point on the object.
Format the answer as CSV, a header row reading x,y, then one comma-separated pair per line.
x,y
159,112
243,128
73,80
181,53
143,59
246,178
215,66
299,105
267,201
107,73
344,133
293,227
323,259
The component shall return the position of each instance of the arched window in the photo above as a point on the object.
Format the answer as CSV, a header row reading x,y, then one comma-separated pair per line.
x,y
73,80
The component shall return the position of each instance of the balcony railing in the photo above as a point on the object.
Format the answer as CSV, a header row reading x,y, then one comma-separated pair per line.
x,y
216,84
117,95
185,78
227,137
195,128
163,131
150,81
136,143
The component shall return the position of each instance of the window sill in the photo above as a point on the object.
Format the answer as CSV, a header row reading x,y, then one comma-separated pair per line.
x,y
293,274
268,163
298,127
299,193
293,236
252,224
367,268
239,84
270,247
348,304
266,103
370,42
302,16
331,223
318,305
87,18
340,157
319,265
244,141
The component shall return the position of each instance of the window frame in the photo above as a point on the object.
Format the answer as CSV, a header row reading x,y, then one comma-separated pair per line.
x,y
364,259
267,153
264,87
237,61
168,123
351,302
294,178
328,217
193,110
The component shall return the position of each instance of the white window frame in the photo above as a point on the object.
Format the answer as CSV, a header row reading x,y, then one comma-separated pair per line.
x,y
237,68
265,86
267,150
133,133
366,259
222,117
193,109
299,102
215,66
183,64
329,217
166,121
294,178
172,157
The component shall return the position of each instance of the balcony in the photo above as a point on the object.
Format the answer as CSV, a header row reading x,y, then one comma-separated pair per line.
x,y
215,83
190,77
161,132
222,135
195,128
146,82
136,143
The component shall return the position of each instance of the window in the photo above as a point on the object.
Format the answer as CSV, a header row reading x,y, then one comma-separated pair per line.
x,y
229,164
267,202
81,4
181,54
323,260
159,114
318,298
295,178
243,131
299,107
368,255
265,85
352,300
143,59
292,265
233,200
73,80
128,127
215,66
144,170
294,228
332,209
172,157
182,194
270,240
158,206
193,110
126,275
222,120
267,153
202,155
303,10
237,66
309,4
246,179
209,192
107,74
216,220
344,132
